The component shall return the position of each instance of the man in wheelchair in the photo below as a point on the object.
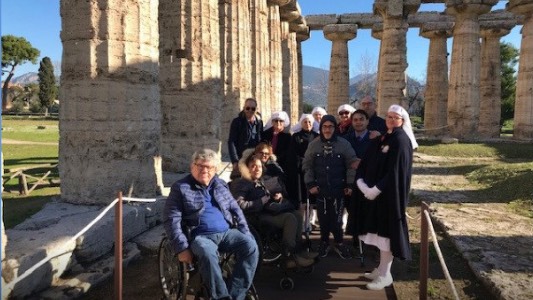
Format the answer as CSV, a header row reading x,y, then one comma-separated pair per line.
x,y
202,203
264,201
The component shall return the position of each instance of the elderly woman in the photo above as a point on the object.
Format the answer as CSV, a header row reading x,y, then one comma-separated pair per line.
x,y
317,112
271,167
279,139
264,201
384,180
345,123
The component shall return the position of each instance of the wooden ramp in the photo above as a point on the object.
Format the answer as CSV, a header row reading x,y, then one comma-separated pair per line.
x,y
332,278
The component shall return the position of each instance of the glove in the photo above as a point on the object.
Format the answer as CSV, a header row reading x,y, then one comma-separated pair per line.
x,y
372,193
362,186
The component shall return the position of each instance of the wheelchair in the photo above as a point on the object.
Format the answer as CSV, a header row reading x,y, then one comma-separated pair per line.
x,y
179,280
271,252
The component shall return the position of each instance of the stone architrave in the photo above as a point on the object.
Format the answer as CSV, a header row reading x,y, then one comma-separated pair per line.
x,y
110,117
300,37
275,55
393,57
463,91
260,60
290,72
236,60
436,93
190,80
490,81
523,115
339,68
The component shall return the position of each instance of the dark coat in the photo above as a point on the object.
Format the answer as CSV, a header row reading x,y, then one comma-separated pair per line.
x,y
387,165
282,148
299,143
358,145
241,136
377,123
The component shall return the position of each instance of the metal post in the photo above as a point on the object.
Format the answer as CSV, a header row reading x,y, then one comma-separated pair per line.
x,y
424,253
118,248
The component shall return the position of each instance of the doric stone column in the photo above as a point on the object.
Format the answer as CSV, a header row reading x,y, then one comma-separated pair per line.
x,y
276,80
260,49
190,80
523,115
436,94
236,61
393,58
463,92
290,72
339,67
491,81
110,117
300,37
377,33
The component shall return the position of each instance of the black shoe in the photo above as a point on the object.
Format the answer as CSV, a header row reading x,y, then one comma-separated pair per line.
x,y
323,249
342,251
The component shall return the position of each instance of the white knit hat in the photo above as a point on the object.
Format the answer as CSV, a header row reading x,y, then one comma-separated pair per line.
x,y
278,115
395,108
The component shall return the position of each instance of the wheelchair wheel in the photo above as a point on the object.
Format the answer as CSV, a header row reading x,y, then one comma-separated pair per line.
x,y
172,274
286,284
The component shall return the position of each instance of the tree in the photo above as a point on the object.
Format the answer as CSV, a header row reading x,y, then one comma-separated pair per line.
x,y
509,55
47,83
15,51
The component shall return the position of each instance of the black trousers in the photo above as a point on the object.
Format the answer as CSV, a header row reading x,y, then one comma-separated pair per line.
x,y
329,213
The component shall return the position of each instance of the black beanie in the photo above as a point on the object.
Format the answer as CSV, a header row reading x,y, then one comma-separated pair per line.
x,y
332,120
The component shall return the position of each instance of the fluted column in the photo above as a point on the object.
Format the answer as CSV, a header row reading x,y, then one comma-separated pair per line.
x,y
109,122
436,94
393,51
190,80
463,92
523,116
377,33
300,37
235,60
339,67
290,72
260,59
276,68
490,81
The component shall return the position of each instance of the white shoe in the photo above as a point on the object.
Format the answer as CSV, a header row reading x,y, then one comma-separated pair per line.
x,y
380,282
373,275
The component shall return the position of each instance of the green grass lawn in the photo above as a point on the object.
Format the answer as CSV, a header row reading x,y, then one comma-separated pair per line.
x,y
31,130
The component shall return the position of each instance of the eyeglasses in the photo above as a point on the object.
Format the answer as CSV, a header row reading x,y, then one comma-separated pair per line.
x,y
395,118
264,153
277,120
204,167
250,108
342,113
328,126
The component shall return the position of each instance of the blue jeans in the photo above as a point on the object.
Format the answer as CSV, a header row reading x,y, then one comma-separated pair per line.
x,y
206,247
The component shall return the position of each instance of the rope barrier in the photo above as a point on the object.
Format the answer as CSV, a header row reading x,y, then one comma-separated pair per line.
x,y
28,272
439,254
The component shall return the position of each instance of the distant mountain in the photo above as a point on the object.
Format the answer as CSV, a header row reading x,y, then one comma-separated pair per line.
x,y
25,79
315,86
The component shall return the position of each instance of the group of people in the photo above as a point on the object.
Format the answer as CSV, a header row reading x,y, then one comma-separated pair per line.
x,y
355,161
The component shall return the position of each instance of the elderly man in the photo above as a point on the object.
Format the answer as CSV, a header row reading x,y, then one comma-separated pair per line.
x,y
328,174
376,124
202,204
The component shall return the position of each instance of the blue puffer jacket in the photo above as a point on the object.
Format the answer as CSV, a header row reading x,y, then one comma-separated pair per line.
x,y
185,203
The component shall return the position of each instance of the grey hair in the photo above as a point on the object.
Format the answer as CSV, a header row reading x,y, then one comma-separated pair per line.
x,y
207,155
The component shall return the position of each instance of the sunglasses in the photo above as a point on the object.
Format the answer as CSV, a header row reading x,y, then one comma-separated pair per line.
x,y
342,113
250,108
277,120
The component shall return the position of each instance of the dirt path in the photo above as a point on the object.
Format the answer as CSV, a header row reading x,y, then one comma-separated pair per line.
x,y
16,142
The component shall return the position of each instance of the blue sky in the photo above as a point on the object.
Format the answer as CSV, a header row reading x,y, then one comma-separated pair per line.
x,y
39,22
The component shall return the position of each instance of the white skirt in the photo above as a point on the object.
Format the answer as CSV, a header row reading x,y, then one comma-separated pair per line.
x,y
382,243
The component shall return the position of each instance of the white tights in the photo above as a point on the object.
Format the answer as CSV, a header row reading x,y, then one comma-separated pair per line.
x,y
385,263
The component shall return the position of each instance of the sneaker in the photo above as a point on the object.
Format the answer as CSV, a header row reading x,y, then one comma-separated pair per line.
x,y
342,251
323,249
380,283
372,275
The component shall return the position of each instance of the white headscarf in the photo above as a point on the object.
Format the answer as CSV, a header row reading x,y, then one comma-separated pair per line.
x,y
278,115
298,127
395,108
323,112
346,107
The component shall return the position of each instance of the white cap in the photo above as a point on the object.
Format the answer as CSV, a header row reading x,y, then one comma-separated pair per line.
x,y
278,115
298,127
346,107
395,108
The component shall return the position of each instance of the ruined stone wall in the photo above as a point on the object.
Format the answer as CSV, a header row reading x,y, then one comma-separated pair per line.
x,y
109,122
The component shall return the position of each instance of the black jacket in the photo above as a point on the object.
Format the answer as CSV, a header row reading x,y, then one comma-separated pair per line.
x,y
241,136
